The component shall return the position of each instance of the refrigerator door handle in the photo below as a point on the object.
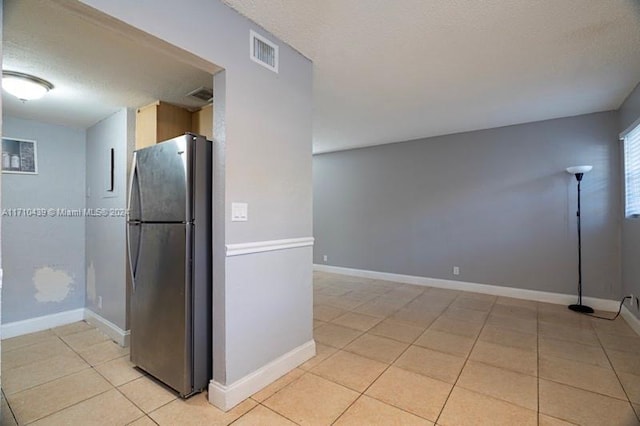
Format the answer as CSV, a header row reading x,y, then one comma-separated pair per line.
x,y
133,266
132,180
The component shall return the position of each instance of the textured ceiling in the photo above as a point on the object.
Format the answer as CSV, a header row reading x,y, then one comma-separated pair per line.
x,y
95,71
393,70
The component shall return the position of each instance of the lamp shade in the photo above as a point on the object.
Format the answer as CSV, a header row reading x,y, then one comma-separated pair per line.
x,y
578,169
24,86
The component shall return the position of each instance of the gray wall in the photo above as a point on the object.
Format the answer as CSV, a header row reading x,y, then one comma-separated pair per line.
x,y
263,159
497,203
105,236
629,113
630,109
44,256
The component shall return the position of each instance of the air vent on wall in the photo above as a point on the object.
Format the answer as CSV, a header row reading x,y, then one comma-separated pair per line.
x,y
202,93
263,51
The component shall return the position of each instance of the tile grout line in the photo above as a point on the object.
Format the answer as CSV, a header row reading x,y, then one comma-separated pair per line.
x,y
68,406
477,338
600,346
412,344
304,373
383,371
466,360
112,387
368,386
273,411
586,390
615,371
539,337
144,413
57,378
388,365
330,380
15,419
342,349
89,366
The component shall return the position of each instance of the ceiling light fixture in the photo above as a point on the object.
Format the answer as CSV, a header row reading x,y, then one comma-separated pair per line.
x,y
23,86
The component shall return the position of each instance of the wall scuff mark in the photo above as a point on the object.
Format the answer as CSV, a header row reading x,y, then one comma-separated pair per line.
x,y
91,282
53,285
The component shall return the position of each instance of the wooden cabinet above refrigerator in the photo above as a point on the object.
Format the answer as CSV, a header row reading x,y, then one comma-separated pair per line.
x,y
160,121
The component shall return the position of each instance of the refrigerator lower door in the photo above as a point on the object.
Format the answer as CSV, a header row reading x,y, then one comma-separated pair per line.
x,y
161,305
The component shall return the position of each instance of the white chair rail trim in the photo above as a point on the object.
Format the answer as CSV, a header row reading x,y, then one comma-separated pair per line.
x,y
271,245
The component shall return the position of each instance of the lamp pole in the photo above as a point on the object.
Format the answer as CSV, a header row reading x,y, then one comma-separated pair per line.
x,y
579,172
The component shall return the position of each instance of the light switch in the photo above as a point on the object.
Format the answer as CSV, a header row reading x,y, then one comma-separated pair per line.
x,y
239,212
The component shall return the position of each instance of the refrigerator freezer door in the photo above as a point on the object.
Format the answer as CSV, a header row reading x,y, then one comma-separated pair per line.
x,y
162,176
160,305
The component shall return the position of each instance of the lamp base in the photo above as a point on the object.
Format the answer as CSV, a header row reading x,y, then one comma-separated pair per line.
x,y
581,308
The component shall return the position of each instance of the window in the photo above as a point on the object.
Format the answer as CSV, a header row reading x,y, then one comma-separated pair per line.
x,y
632,172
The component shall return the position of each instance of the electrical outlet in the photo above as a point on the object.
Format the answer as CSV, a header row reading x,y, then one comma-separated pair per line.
x,y
456,270
99,302
325,258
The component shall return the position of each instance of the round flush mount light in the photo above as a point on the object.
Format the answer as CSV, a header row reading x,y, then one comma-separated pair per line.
x,y
23,86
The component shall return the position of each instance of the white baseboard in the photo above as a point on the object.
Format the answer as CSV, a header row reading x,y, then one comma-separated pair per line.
x,y
631,319
18,328
32,325
516,293
118,335
225,397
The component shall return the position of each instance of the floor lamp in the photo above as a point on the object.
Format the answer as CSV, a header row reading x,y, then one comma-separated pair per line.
x,y
578,172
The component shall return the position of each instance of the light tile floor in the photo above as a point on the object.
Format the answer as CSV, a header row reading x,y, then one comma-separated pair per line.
x,y
388,354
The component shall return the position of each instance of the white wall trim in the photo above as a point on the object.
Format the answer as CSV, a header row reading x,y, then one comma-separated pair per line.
x,y
18,328
45,322
225,397
631,319
261,246
517,293
118,335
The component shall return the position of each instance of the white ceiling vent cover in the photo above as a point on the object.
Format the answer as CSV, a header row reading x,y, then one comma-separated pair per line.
x,y
263,51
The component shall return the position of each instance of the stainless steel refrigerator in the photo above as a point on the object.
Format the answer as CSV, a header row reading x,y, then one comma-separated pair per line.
x,y
169,237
